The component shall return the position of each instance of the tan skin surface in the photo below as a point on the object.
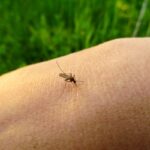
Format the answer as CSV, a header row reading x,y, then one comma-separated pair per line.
x,y
110,110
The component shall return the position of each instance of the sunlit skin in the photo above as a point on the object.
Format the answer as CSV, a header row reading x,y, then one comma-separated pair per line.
x,y
110,110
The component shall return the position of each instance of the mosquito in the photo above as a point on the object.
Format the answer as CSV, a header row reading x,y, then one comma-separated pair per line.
x,y
69,77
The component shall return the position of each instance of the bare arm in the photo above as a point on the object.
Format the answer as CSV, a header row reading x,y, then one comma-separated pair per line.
x,y
109,110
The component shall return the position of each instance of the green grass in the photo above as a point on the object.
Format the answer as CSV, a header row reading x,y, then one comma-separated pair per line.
x,y
34,31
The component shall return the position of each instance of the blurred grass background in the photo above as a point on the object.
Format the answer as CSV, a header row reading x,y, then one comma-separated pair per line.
x,y
34,31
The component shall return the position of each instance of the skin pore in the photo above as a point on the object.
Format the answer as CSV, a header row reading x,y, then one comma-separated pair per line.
x,y
109,110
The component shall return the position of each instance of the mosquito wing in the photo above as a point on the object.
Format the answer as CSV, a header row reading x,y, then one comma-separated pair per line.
x,y
63,75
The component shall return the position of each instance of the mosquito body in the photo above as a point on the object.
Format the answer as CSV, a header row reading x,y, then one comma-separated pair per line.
x,y
69,77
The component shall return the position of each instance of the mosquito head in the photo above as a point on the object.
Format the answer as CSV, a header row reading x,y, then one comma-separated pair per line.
x,y
72,79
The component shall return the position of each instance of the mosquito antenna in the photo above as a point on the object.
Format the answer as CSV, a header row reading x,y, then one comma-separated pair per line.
x,y
59,67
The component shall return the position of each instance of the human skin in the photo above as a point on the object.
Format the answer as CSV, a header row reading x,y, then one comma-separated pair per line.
x,y
109,110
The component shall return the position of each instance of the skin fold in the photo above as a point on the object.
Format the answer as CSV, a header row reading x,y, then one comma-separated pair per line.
x,y
109,110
